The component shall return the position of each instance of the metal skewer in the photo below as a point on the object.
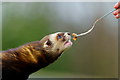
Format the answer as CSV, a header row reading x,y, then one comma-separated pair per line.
x,y
81,34
94,24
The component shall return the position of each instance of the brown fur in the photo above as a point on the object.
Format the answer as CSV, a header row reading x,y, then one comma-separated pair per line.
x,y
26,59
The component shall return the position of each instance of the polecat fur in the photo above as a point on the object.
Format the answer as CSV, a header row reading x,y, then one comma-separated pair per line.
x,y
20,62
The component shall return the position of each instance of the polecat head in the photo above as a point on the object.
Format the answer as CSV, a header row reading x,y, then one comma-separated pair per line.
x,y
57,42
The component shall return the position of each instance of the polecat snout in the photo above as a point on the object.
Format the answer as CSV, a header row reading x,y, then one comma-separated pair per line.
x,y
18,63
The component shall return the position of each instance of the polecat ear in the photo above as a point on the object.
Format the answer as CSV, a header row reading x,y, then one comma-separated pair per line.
x,y
47,43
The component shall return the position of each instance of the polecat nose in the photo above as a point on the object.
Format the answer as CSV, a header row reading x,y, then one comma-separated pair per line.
x,y
68,33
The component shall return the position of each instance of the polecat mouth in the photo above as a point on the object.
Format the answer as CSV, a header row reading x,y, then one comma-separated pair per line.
x,y
68,43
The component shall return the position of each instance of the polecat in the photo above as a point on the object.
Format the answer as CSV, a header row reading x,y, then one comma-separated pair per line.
x,y
19,63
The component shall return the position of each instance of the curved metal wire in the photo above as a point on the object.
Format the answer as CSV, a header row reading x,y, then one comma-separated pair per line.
x,y
94,24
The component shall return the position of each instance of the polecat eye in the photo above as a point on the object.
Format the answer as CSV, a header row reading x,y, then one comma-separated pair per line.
x,y
59,36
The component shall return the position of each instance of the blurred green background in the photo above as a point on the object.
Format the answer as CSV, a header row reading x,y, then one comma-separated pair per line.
x,y
92,56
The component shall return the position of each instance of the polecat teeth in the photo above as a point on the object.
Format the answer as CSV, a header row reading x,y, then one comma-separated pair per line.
x,y
66,42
